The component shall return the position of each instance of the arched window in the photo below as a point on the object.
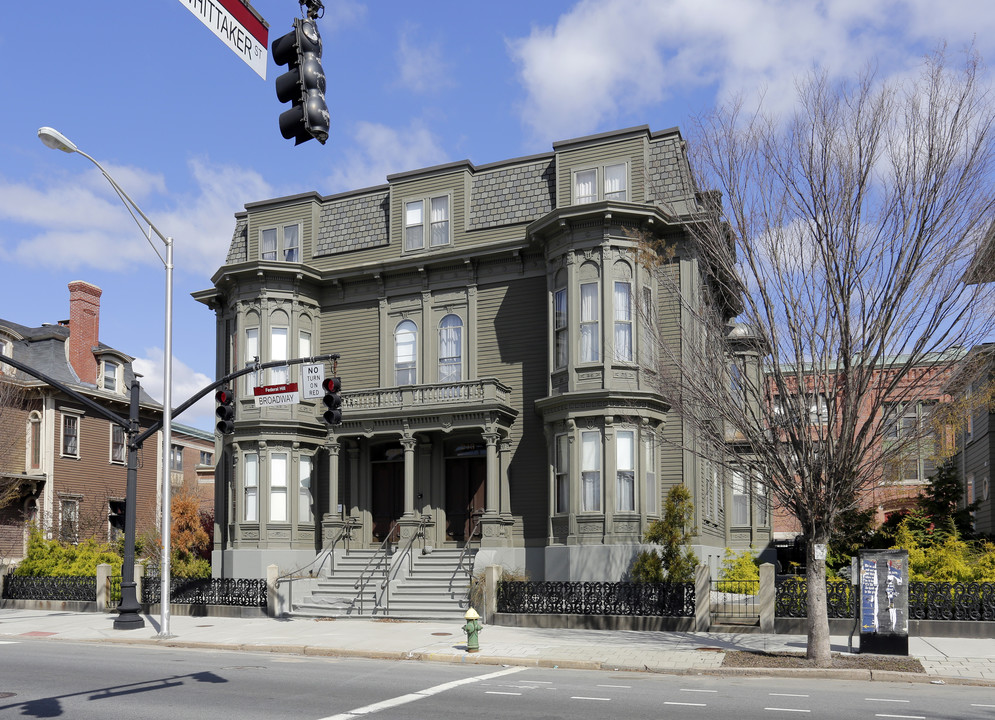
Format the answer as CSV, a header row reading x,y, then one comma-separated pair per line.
x,y
405,352
450,349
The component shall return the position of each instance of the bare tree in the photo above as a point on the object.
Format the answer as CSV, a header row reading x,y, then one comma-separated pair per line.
x,y
845,231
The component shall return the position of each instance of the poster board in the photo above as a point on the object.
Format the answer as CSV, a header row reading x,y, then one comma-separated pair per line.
x,y
884,602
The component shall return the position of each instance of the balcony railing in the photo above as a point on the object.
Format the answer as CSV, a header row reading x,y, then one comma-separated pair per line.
x,y
485,391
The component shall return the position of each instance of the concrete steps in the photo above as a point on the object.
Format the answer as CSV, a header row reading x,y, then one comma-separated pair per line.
x,y
436,589
337,596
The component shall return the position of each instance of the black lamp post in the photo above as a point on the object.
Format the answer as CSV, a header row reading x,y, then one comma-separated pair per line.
x,y
129,611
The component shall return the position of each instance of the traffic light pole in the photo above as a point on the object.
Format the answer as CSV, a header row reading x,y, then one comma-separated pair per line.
x,y
129,611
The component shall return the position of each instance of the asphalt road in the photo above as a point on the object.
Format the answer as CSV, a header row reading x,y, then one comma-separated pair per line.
x,y
50,679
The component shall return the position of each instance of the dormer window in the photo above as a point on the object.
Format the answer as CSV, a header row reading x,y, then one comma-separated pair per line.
x,y
438,222
281,243
6,348
111,376
609,182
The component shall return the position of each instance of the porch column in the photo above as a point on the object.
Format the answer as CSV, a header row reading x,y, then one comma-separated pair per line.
x,y
409,444
333,448
493,479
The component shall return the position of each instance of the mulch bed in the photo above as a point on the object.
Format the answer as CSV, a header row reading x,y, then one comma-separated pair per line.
x,y
746,659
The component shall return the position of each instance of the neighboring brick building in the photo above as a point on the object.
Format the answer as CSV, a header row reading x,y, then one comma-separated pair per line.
x,y
893,485
498,382
68,461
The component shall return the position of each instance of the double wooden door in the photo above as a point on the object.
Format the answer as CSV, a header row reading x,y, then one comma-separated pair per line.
x,y
466,489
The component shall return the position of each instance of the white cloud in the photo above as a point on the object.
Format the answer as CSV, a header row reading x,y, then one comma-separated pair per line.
x,y
609,59
80,222
378,150
421,67
186,382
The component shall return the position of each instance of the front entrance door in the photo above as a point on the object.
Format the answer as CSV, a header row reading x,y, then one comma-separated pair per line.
x,y
388,497
466,487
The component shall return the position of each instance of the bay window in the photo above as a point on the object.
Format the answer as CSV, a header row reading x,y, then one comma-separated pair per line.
x,y
562,470
591,471
278,487
560,327
250,486
623,322
589,322
625,480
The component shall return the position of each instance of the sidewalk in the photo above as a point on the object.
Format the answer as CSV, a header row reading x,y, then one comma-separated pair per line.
x,y
950,660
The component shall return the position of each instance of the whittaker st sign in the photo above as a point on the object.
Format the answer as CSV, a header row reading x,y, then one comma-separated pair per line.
x,y
238,26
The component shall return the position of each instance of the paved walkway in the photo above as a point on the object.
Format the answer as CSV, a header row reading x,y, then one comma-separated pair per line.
x,y
950,660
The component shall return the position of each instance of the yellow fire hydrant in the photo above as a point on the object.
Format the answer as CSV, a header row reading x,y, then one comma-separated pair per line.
x,y
472,628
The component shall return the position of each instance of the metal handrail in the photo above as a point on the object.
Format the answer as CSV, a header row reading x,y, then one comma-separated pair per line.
x,y
345,533
363,581
466,551
390,574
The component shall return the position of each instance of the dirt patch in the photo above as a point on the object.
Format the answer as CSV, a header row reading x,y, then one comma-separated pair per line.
x,y
742,658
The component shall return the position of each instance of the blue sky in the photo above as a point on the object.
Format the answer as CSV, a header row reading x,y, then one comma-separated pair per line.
x,y
190,131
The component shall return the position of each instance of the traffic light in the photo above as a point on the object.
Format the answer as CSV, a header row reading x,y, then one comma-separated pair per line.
x,y
116,514
225,411
303,85
332,400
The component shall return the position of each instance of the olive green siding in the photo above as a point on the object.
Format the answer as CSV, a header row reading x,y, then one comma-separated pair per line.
x,y
512,338
630,152
354,333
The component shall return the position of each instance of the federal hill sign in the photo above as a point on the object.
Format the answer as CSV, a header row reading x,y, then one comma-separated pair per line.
x,y
270,395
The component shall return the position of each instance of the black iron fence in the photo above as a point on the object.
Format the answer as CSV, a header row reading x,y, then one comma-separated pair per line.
x,y
951,601
596,598
16,587
735,599
240,592
927,600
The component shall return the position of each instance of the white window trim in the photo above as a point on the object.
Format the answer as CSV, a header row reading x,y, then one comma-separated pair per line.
x,y
118,376
597,472
78,415
461,355
426,224
124,444
279,486
394,349
250,488
304,497
250,353
280,249
599,182
281,374
620,461
595,347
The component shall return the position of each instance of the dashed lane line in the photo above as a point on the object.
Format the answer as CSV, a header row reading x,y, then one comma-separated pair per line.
x,y
582,697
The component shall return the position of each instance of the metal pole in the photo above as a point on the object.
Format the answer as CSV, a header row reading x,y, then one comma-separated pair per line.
x,y
129,611
167,441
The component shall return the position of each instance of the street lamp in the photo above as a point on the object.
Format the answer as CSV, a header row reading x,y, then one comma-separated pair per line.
x,y
57,141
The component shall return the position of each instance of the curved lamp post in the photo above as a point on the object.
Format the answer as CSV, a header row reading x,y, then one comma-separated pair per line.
x,y
57,141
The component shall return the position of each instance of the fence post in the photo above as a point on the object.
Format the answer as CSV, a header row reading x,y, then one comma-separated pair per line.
x,y
139,580
492,574
103,587
272,590
766,598
702,599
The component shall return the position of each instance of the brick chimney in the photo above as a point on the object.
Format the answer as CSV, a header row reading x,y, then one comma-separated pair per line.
x,y
84,329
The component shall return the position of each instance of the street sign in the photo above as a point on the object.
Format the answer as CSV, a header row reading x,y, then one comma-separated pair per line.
x,y
270,395
311,378
238,26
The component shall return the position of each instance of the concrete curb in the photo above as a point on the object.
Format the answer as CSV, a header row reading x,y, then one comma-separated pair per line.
x,y
557,663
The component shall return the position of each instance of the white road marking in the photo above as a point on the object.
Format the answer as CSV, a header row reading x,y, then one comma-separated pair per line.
x,y
411,697
980,705
581,697
626,687
695,690
668,702
905,717
885,700
499,692
786,695
787,709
